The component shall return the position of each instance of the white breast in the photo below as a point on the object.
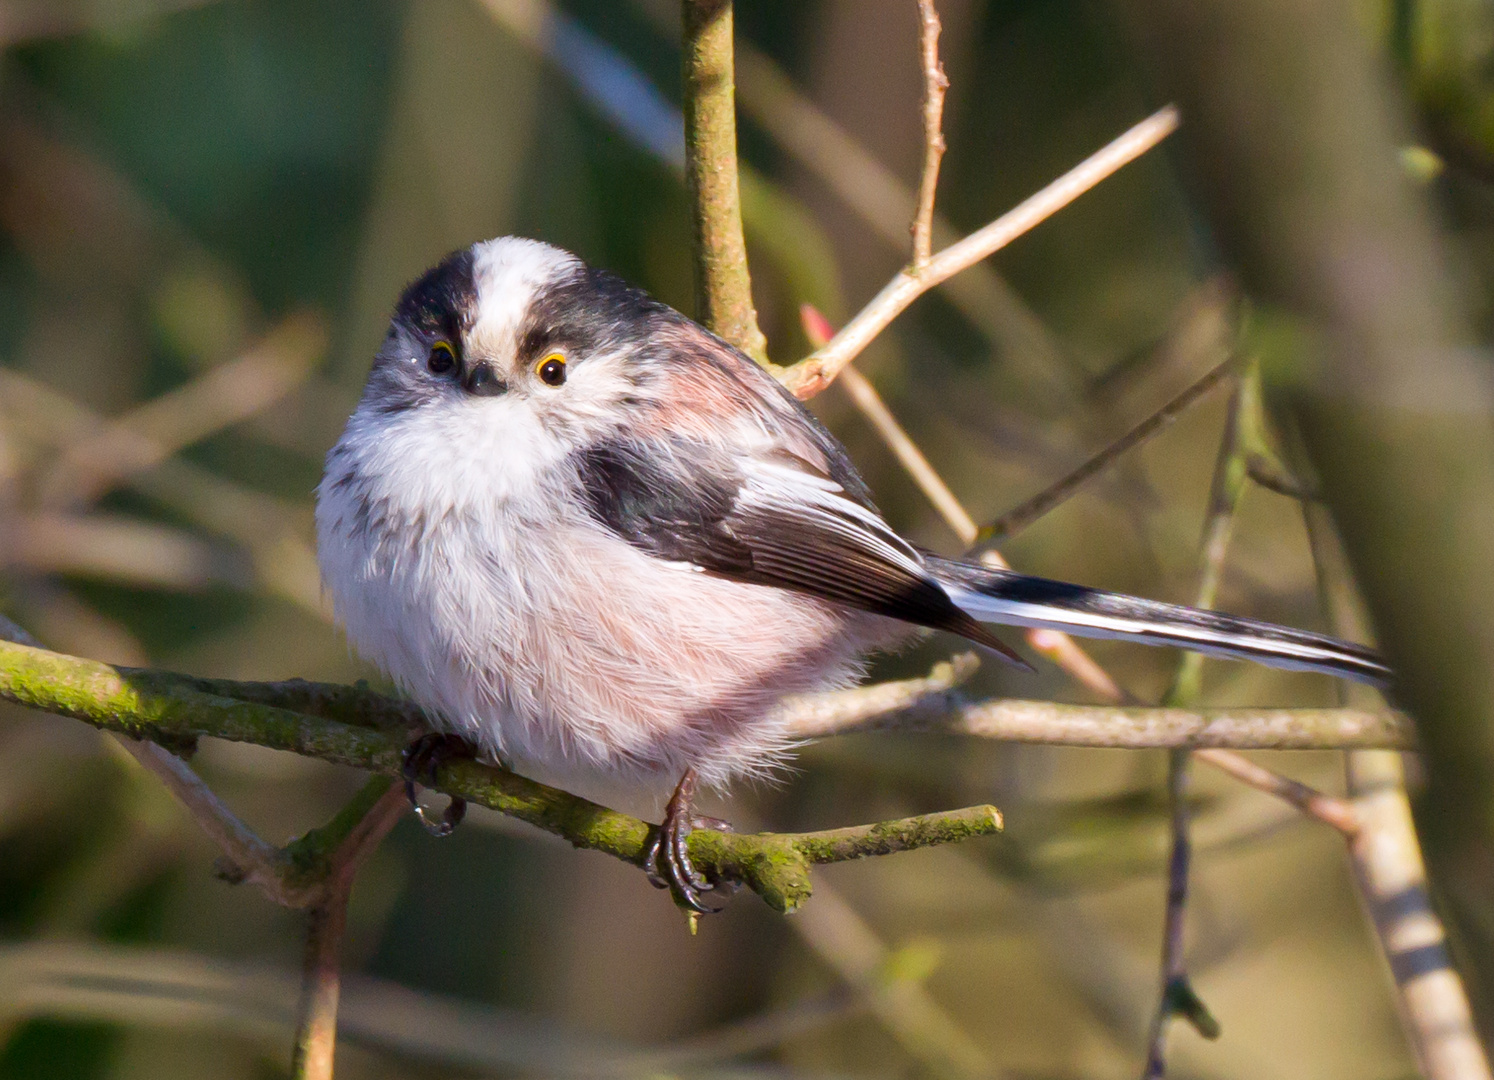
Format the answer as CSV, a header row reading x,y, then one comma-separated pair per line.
x,y
553,643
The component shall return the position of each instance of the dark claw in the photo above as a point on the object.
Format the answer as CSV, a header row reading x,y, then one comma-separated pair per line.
x,y
667,862
422,759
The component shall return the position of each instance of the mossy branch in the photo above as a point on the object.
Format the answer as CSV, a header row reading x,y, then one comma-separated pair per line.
x,y
177,709
358,727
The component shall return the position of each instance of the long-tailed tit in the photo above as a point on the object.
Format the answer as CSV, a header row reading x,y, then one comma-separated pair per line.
x,y
592,539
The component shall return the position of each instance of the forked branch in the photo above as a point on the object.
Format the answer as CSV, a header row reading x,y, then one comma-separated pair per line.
x,y
817,371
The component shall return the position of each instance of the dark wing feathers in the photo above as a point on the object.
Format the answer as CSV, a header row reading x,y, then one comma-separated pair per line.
x,y
690,502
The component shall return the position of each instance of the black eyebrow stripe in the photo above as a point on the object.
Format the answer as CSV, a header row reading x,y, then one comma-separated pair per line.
x,y
443,299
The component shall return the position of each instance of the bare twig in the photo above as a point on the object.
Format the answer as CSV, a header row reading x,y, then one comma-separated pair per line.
x,y
221,397
817,330
1054,644
1177,996
935,83
246,857
723,289
813,374
1025,513
1332,811
1132,727
840,937
284,561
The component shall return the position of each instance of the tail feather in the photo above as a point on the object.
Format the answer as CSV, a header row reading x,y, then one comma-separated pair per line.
x,y
1002,596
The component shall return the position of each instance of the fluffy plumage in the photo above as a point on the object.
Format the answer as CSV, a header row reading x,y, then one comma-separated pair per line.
x,y
620,576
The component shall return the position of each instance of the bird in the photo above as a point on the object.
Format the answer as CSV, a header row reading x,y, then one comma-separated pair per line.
x,y
595,542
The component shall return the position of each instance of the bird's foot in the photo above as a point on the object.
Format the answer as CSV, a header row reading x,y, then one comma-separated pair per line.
x,y
422,758
667,862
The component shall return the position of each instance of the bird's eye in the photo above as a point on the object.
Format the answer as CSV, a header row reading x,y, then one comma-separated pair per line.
x,y
551,369
442,358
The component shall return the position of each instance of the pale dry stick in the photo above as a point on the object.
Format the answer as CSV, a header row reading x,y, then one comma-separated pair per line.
x,y
840,937
223,396
1388,866
248,857
321,978
886,204
935,84
283,560
811,375
909,456
1331,810
1135,727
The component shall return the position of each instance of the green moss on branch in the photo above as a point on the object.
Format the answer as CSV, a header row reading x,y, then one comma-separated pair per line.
x,y
163,706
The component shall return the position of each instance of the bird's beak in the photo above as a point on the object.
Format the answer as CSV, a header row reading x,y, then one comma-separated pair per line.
x,y
483,381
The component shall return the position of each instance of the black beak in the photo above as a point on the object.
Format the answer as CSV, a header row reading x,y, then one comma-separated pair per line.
x,y
481,381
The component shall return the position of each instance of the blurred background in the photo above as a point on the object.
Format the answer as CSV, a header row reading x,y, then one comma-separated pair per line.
x,y
207,210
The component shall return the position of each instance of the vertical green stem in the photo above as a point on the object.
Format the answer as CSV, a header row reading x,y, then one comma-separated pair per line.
x,y
723,287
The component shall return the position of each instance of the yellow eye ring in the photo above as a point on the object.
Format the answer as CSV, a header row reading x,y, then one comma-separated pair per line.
x,y
551,370
442,358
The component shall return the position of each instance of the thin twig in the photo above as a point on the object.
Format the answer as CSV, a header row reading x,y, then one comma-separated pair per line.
x,y
154,431
880,198
723,289
246,857
1134,727
1329,809
840,937
1054,644
935,83
908,455
1060,491
814,373
1177,995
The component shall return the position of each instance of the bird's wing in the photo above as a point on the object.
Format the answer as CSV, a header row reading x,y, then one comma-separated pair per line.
x,y
769,519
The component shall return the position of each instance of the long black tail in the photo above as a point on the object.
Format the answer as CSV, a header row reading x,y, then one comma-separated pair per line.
x,y
1002,596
